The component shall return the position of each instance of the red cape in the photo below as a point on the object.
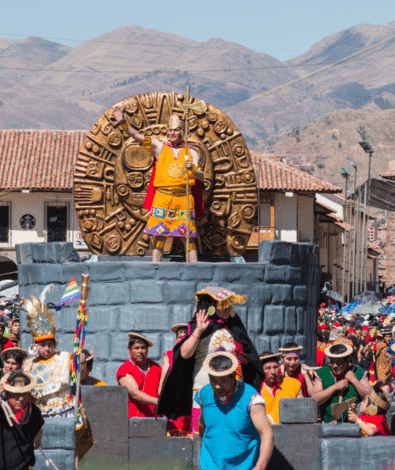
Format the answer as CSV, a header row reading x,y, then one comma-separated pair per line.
x,y
196,193
380,421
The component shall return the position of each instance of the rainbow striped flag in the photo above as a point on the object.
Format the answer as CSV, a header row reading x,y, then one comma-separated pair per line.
x,y
71,293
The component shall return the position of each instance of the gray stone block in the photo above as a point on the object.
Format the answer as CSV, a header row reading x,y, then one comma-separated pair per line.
x,y
275,274
297,447
105,271
110,428
290,320
165,454
169,271
104,319
202,271
282,293
182,313
119,346
155,351
179,292
298,410
145,317
255,274
147,427
56,252
242,312
147,291
260,294
255,320
339,430
294,275
275,342
300,295
262,343
300,317
169,340
72,270
101,345
138,270
273,321
105,293
225,272
63,459
300,340
286,339
58,433
363,454
111,369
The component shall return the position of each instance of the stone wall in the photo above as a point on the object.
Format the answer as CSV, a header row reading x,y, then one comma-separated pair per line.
x,y
282,291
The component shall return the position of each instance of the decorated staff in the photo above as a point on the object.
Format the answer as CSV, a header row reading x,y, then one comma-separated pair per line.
x,y
79,340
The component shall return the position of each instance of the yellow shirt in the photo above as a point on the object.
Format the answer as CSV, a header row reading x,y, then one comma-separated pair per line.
x,y
289,388
171,171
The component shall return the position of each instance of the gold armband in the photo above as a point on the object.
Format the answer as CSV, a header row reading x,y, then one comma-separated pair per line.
x,y
192,246
159,244
124,126
146,143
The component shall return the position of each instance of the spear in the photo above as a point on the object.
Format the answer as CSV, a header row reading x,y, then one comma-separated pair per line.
x,y
199,107
187,158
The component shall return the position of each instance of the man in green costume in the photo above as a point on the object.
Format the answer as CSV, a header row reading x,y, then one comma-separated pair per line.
x,y
338,382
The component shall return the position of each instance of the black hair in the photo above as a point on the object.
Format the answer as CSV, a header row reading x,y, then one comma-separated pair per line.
x,y
18,376
183,329
264,360
290,345
205,301
89,364
358,327
17,355
221,363
338,348
135,340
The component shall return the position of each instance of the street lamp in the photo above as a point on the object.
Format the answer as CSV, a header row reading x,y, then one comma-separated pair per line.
x,y
368,149
353,225
345,173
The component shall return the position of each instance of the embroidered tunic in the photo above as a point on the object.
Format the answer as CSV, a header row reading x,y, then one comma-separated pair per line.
x,y
327,379
168,211
147,382
53,384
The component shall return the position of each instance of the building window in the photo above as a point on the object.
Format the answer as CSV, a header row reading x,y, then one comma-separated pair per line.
x,y
56,223
5,224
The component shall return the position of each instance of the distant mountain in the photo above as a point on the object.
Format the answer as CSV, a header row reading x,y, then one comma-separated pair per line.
x,y
323,146
47,85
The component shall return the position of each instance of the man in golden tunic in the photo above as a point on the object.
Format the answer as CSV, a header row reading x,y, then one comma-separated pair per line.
x,y
168,215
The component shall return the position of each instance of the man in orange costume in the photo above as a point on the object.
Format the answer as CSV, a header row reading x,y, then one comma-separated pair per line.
x,y
166,197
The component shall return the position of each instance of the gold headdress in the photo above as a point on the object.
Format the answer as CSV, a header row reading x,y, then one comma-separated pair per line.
x,y
40,319
224,297
376,402
175,122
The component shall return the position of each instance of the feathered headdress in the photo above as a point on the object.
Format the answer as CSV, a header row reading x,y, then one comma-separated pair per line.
x,y
40,319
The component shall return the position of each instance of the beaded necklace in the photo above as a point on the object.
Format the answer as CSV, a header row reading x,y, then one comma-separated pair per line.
x,y
19,414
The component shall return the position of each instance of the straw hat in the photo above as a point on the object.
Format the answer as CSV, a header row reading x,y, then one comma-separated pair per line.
x,y
132,334
175,327
13,389
290,349
265,356
22,351
209,364
346,350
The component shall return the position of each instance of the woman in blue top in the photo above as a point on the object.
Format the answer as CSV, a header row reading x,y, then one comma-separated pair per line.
x,y
233,425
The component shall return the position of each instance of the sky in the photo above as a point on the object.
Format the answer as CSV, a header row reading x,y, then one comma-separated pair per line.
x,y
282,28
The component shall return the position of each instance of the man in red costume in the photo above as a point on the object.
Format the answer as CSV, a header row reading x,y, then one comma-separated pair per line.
x,y
141,377
166,196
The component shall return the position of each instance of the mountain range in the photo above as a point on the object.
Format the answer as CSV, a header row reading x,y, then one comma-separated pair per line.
x,y
44,84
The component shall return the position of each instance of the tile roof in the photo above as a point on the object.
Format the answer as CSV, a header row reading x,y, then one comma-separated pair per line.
x,y
277,176
38,159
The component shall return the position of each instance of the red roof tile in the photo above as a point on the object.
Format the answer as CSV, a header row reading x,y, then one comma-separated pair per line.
x,y
38,159
273,175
